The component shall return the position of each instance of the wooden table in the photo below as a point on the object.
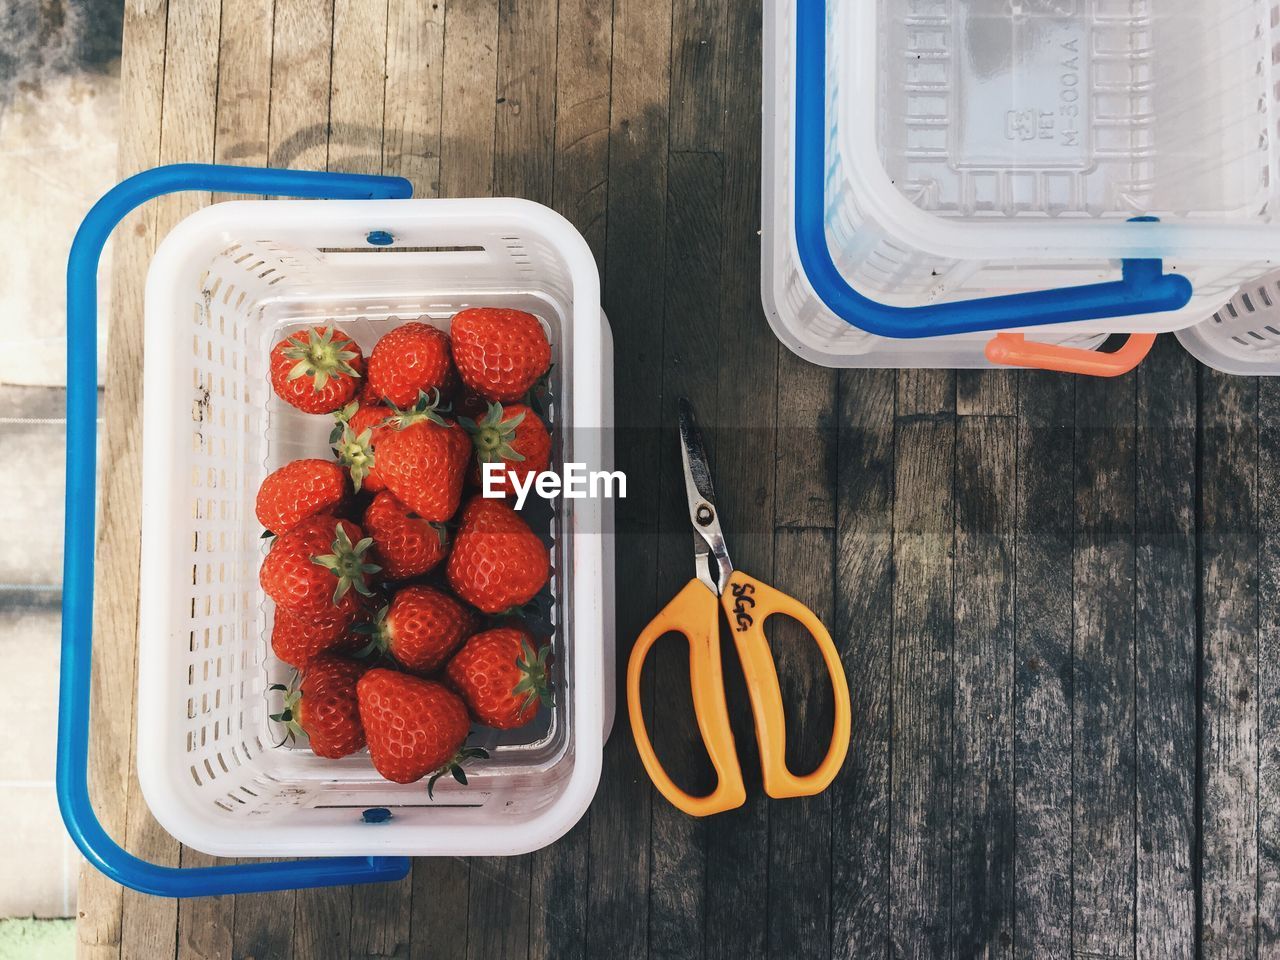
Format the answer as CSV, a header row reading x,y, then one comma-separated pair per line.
x,y
1056,597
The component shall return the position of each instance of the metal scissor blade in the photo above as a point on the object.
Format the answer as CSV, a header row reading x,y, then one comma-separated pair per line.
x,y
711,557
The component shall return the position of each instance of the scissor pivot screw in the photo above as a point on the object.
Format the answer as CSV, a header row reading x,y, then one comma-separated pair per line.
x,y
704,515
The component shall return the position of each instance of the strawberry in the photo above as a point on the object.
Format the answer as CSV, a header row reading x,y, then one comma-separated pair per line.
x,y
299,490
325,707
500,353
312,569
422,627
497,562
415,727
468,403
357,428
423,461
413,358
406,544
500,677
299,640
513,436
316,370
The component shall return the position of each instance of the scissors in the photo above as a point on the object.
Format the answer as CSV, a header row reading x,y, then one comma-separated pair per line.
x,y
695,613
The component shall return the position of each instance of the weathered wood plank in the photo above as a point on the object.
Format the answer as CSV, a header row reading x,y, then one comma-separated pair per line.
x,y
470,78
441,889
982,880
205,923
357,86
924,455
863,630
584,58
1268,684
677,880
100,901
414,96
1102,852
1165,648
322,922
498,921
1229,664
1042,667
991,392
524,137
243,115
618,896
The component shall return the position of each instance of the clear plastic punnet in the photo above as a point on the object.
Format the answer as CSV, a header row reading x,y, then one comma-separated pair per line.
x,y
938,171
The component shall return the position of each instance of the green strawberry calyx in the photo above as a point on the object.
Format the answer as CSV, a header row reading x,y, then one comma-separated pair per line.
x,y
493,436
379,635
320,357
288,715
347,563
355,453
535,684
453,767
425,410
341,418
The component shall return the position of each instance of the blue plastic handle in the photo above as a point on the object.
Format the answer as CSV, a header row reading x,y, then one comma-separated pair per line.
x,y
1145,287
77,568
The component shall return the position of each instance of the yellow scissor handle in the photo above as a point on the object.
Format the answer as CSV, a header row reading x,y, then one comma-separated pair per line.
x,y
748,603
694,613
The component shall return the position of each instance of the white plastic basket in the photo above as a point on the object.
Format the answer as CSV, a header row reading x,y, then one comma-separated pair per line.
x,y
227,283
975,149
1242,336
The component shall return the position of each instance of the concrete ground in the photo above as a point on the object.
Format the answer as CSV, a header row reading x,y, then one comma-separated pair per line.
x,y
59,83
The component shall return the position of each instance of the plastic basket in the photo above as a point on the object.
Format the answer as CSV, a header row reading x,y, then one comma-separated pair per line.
x,y
1078,167
224,285
1242,336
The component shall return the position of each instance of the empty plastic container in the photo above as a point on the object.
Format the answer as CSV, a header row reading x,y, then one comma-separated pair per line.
x,y
944,168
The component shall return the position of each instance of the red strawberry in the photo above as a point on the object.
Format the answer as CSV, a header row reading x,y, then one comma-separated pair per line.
x,y
512,436
421,627
500,677
500,353
406,544
415,727
357,429
497,562
468,403
423,461
412,359
325,707
299,490
298,640
312,569
316,370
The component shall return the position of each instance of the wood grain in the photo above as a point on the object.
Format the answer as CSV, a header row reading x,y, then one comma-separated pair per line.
x,y
1165,650
1102,830
1043,678
1229,664
922,668
982,796
863,629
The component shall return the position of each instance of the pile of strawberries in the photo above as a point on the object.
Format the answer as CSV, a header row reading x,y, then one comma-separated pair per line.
x,y
398,590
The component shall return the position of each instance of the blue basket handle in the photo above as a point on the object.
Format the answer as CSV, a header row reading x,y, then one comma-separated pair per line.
x,y
1144,288
77,570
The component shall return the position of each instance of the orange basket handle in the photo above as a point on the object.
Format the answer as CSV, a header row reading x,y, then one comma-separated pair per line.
x,y
1014,350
